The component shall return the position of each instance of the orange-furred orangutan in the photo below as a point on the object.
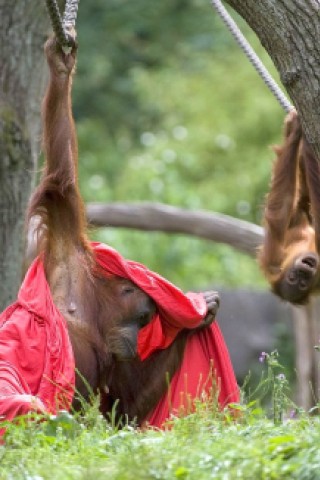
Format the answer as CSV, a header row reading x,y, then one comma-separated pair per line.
x,y
289,256
104,313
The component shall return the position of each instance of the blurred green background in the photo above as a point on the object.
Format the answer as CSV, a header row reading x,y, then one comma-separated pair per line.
x,y
168,109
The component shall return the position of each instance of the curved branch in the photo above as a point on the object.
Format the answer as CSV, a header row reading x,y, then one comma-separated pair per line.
x,y
241,235
216,227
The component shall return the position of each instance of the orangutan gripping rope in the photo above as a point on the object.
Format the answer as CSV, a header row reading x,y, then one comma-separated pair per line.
x,y
103,314
289,256
128,326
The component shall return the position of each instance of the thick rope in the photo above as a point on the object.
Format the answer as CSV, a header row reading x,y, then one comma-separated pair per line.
x,y
252,56
56,21
59,26
70,14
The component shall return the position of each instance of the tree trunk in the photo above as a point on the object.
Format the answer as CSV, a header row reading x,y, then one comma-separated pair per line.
x,y
289,31
306,327
24,26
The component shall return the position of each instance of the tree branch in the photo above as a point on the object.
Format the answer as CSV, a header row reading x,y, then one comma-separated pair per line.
x,y
241,235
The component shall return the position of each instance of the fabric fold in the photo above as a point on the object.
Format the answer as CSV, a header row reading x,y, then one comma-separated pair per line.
x,y
37,367
36,359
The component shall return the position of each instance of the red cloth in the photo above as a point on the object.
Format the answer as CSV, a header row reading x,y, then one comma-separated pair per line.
x,y
206,365
176,310
36,358
206,373
37,371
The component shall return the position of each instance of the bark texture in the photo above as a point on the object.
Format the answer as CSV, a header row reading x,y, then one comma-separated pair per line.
x,y
24,27
306,330
289,30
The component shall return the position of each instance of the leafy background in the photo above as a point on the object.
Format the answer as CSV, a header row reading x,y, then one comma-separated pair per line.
x,y
168,109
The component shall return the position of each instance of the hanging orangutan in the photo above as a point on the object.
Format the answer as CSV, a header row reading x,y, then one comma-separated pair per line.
x,y
128,326
289,256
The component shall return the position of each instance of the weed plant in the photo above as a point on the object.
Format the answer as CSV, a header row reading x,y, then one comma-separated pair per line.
x,y
245,441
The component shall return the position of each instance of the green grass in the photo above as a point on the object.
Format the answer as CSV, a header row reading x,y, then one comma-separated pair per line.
x,y
257,444
196,447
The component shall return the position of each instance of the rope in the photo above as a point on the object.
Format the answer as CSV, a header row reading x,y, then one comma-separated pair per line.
x,y
252,56
56,21
59,26
70,14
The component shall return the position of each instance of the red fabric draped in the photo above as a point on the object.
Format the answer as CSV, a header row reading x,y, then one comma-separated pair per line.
x,y
206,365
36,358
176,310
206,373
37,371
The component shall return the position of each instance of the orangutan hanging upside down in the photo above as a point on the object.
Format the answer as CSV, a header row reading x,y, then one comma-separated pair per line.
x,y
289,256
128,326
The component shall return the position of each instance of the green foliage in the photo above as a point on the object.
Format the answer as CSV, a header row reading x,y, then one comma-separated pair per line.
x,y
118,36
169,110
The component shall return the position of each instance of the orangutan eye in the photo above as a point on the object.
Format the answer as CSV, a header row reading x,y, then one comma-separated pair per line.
x,y
303,284
292,276
127,290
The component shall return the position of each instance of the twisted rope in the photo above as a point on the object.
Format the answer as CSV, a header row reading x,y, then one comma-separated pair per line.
x,y
70,14
252,56
62,26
